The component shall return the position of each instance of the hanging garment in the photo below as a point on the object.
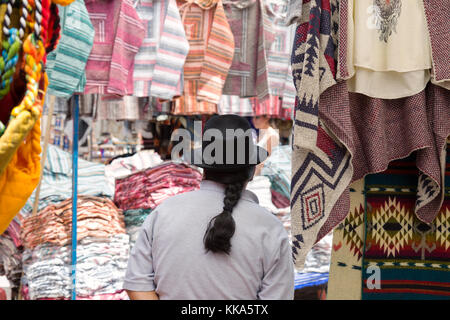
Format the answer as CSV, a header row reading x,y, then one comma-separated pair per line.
x,y
111,107
119,33
211,48
281,82
294,12
437,23
358,135
66,65
19,178
389,51
253,36
160,60
313,65
235,105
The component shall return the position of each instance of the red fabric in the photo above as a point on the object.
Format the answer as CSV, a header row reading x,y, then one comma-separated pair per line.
x,y
2,294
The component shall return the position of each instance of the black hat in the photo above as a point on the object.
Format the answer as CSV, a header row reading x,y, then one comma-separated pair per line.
x,y
227,145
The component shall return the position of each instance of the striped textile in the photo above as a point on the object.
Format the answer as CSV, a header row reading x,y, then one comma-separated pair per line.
x,y
119,33
280,100
235,105
57,179
303,280
253,35
281,82
66,64
272,106
210,55
111,107
159,62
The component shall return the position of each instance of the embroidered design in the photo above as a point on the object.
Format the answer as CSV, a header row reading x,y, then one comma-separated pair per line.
x,y
312,206
387,13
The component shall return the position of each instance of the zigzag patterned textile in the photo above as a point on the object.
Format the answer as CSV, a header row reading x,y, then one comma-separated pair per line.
x,y
413,257
321,166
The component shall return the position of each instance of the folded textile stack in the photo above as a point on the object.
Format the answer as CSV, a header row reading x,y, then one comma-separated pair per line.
x,y
278,169
97,217
147,189
122,167
260,185
56,182
133,221
10,254
102,251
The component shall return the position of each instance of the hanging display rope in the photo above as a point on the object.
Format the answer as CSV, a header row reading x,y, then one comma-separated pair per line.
x,y
74,193
23,18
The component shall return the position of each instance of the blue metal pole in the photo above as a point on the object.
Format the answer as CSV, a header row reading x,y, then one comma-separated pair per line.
x,y
75,116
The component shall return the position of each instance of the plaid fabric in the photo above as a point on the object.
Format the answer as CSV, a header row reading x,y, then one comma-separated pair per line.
x,y
66,64
119,33
210,55
159,62
248,76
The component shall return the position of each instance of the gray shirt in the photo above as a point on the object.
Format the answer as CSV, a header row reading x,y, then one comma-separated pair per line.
x,y
169,255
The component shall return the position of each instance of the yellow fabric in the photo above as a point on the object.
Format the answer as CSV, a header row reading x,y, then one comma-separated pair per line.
x,y
21,176
63,2
15,133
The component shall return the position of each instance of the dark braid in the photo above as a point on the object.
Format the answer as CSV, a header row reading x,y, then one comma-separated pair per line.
x,y
221,228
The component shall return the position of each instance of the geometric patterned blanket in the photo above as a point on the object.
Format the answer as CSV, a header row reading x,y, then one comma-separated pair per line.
x,y
348,246
413,258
